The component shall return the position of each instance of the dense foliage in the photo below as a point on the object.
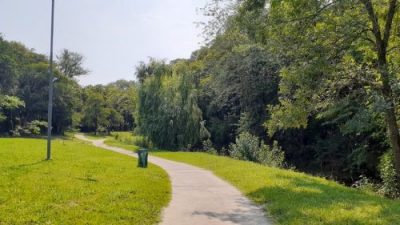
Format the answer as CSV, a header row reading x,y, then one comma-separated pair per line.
x,y
24,95
107,108
24,92
319,77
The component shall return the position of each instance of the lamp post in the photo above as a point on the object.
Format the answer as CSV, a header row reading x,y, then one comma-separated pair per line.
x,y
51,83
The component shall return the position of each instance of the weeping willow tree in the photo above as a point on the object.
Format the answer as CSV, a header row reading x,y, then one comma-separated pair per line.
x,y
167,111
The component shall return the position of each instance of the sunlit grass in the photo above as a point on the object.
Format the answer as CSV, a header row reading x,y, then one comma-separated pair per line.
x,y
80,185
126,140
112,142
293,198
93,136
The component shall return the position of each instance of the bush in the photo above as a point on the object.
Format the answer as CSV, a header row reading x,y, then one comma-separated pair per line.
x,y
247,147
131,139
272,156
208,147
391,183
101,131
365,184
250,148
33,128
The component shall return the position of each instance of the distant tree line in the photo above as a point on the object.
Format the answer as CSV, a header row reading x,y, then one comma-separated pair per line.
x,y
24,95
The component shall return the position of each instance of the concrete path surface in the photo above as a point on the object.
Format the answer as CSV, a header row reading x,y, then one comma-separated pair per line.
x,y
198,196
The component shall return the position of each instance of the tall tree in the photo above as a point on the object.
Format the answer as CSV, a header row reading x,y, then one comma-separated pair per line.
x,y
382,36
167,110
335,50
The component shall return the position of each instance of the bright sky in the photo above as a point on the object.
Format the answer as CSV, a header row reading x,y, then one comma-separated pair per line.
x,y
113,35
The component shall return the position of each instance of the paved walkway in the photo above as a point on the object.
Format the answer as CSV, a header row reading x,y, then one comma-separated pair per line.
x,y
198,196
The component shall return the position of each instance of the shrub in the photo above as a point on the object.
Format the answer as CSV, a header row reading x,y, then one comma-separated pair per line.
x,y
251,148
391,183
208,147
365,184
247,147
33,128
101,131
272,156
131,139
37,127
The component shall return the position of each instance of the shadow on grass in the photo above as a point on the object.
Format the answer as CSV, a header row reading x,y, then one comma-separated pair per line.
x,y
27,165
88,179
308,201
53,138
16,171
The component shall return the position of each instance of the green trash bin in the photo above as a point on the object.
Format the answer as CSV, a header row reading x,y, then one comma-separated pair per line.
x,y
143,157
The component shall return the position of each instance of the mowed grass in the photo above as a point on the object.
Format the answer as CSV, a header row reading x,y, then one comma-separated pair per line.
x,y
293,198
112,142
80,185
127,140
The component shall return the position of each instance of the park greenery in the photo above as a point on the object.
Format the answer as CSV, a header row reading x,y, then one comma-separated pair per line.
x,y
317,78
306,85
290,197
82,184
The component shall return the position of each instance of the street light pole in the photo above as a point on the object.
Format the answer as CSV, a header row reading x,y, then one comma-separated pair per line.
x,y
51,82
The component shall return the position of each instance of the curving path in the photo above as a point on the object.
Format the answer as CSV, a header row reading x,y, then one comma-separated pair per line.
x,y
198,196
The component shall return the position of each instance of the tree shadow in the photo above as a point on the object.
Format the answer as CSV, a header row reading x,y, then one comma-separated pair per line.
x,y
27,165
88,179
16,171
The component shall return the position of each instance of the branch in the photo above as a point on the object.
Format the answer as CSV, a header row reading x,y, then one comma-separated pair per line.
x,y
312,16
389,21
374,19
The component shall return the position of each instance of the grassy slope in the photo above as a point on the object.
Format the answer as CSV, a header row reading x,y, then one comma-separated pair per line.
x,y
112,142
295,198
81,185
125,140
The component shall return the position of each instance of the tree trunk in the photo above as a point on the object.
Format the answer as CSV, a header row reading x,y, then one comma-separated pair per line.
x,y
381,44
394,137
390,111
95,126
11,121
391,120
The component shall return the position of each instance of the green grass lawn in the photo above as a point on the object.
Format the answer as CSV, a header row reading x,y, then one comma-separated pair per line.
x,y
293,198
81,185
112,142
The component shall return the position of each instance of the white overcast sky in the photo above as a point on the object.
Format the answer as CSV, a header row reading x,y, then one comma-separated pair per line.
x,y
113,35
